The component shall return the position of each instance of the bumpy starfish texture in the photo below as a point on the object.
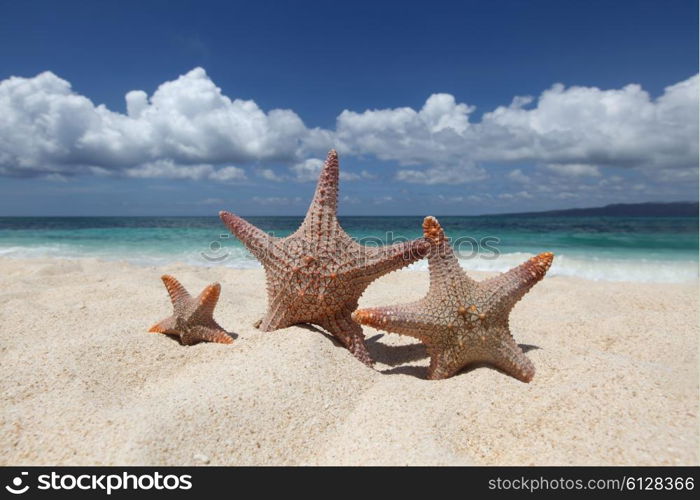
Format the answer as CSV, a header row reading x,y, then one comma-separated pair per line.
x,y
192,320
318,274
462,321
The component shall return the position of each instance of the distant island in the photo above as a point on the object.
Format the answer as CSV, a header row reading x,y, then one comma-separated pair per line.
x,y
673,209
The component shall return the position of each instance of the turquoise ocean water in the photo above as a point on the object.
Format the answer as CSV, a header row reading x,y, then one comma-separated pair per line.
x,y
643,249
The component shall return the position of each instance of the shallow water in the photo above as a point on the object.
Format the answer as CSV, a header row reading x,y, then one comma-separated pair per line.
x,y
649,249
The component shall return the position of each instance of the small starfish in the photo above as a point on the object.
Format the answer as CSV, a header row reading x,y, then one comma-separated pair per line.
x,y
462,321
193,319
318,274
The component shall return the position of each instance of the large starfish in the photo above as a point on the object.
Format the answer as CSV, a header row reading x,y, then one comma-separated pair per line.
x,y
192,320
318,274
462,321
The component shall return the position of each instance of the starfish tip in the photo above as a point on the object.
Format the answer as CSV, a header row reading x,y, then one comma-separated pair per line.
x,y
220,337
526,375
432,230
155,329
363,317
544,260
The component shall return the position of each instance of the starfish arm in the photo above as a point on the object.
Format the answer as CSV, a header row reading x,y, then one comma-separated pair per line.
x,y
168,325
278,314
206,301
257,241
443,264
404,319
443,363
274,319
511,359
321,215
201,333
383,260
178,295
508,288
350,334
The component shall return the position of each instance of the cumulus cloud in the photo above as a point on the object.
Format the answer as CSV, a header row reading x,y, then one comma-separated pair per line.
x,y
518,175
309,169
185,124
211,201
189,129
442,175
574,129
270,175
423,137
515,196
168,169
276,200
383,199
574,169
228,174
590,126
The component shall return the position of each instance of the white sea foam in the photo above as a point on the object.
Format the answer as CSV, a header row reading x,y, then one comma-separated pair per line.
x,y
588,267
592,268
35,251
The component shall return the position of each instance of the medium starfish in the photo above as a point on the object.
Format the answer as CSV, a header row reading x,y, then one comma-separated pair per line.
x,y
462,321
193,319
318,274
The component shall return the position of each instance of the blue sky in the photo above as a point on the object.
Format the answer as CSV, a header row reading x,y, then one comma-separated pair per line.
x,y
441,107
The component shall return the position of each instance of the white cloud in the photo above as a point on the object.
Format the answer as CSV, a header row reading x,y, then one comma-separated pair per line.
x,y
586,125
276,200
353,200
309,169
574,169
56,178
364,174
46,127
187,127
565,126
442,175
269,175
211,201
228,174
520,195
383,199
136,103
422,137
450,199
517,175
168,169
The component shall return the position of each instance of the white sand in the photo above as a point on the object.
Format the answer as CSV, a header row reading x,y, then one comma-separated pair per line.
x,y
83,383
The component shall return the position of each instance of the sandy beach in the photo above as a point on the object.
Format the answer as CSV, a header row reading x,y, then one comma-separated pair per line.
x,y
84,383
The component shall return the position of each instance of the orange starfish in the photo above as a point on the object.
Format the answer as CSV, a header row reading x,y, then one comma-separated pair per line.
x,y
462,321
193,319
317,274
